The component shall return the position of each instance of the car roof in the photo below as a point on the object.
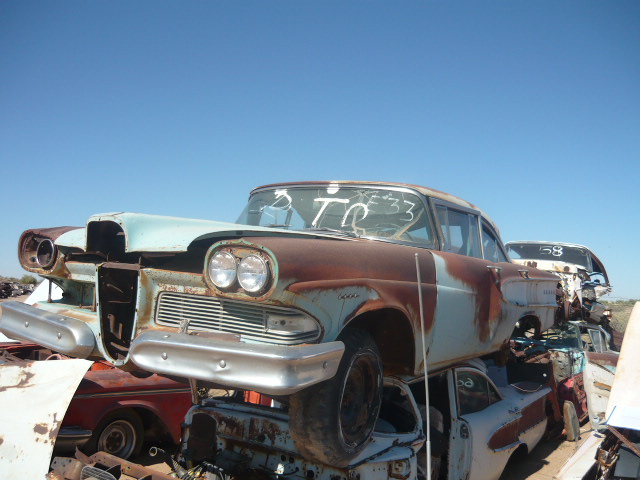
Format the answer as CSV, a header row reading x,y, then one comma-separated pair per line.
x,y
541,242
437,194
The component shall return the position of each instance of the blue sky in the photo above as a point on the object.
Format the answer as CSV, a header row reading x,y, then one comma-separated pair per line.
x,y
530,110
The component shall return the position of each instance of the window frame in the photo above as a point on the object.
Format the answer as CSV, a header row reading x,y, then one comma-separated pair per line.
x,y
488,381
492,231
445,239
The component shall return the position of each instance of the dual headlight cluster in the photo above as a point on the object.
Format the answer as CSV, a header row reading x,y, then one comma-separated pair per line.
x,y
251,272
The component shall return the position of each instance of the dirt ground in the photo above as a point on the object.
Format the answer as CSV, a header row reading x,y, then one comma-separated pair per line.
x,y
546,460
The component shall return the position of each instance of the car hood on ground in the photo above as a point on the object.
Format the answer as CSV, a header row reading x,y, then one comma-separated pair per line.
x,y
623,410
156,233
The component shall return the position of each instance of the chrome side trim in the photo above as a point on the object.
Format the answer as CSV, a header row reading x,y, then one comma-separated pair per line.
x,y
63,334
270,369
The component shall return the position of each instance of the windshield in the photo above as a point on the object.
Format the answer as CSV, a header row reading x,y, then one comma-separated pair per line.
x,y
550,252
355,211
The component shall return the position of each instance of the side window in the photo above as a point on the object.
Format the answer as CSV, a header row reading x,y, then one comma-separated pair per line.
x,y
491,246
475,393
460,231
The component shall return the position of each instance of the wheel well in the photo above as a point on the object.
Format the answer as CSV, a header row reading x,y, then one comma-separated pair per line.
x,y
153,425
527,323
516,457
393,335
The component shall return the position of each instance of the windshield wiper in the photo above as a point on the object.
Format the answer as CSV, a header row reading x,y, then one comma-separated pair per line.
x,y
333,230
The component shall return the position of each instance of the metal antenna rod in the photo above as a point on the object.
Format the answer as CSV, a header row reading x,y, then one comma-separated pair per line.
x,y
426,379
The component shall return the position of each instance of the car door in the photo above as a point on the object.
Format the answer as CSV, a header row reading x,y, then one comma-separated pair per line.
x,y
476,418
468,308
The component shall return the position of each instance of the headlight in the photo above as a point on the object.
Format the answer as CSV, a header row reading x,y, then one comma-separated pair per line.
x,y
46,253
222,269
253,273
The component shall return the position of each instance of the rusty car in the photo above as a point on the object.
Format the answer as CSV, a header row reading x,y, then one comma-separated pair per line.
x,y
112,410
613,450
318,291
558,357
476,426
582,274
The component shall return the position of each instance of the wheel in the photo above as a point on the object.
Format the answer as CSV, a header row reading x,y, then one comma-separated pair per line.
x,y
119,433
571,423
333,420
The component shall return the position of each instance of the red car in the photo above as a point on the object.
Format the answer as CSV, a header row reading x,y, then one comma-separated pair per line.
x,y
114,411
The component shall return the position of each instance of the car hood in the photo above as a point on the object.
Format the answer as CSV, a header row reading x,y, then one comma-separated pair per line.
x,y
623,410
156,233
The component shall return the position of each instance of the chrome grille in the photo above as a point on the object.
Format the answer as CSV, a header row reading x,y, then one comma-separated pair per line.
x,y
213,314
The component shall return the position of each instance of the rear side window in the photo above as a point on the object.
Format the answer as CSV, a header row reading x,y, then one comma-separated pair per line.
x,y
491,246
460,231
475,393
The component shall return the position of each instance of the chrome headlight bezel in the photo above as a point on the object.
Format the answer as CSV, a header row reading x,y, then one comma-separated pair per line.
x,y
220,276
253,273
252,257
46,253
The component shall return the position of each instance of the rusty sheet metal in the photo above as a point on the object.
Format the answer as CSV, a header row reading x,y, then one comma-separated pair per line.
x,y
509,433
34,398
623,409
29,241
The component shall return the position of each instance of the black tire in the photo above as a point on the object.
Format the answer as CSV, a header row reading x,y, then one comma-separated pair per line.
x,y
333,420
120,433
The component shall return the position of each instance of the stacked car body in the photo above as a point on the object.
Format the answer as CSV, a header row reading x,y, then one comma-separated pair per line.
x,y
318,293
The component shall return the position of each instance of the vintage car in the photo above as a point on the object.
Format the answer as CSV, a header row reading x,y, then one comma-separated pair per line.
x,y
583,276
613,451
558,357
476,427
319,290
112,410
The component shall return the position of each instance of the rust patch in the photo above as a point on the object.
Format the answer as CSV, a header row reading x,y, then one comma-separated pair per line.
x,y
384,268
230,426
28,244
604,359
602,386
510,432
24,379
262,429
505,435
41,429
474,273
532,414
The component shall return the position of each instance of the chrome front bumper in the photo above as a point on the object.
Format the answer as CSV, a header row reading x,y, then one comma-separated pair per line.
x,y
265,368
66,335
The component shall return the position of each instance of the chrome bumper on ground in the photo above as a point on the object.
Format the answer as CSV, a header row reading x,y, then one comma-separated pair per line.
x,y
30,324
270,369
71,437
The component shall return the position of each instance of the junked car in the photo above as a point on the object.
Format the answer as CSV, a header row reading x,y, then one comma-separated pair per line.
x,y
5,290
582,275
613,452
319,290
476,427
112,411
558,357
